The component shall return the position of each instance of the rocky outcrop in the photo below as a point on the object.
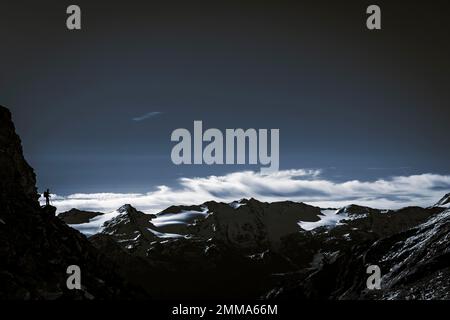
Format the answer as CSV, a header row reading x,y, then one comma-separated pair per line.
x,y
75,216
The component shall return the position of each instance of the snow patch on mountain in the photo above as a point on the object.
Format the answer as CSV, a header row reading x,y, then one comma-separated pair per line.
x,y
237,204
328,218
184,217
163,235
95,225
331,218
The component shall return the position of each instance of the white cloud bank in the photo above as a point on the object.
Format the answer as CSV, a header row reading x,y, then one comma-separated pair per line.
x,y
297,185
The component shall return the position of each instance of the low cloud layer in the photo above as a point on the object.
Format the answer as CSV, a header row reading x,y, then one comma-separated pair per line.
x,y
297,185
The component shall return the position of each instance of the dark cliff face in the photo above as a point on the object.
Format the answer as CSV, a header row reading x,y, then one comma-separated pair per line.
x,y
36,247
17,178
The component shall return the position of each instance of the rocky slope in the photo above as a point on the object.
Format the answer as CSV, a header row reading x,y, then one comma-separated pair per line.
x,y
36,247
414,263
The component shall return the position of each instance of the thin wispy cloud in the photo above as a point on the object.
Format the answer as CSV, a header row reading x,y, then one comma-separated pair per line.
x,y
147,116
297,185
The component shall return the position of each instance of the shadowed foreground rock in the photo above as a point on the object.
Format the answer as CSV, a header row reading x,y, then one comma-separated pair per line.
x,y
36,247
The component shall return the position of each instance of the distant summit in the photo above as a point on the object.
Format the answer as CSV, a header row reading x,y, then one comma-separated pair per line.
x,y
75,216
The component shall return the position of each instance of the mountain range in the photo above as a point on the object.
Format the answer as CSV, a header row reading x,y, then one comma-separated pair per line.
x,y
249,248
243,249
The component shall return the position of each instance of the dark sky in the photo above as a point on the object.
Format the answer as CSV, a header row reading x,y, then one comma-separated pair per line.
x,y
358,104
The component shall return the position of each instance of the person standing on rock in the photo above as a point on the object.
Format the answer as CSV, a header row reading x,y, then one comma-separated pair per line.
x,y
47,197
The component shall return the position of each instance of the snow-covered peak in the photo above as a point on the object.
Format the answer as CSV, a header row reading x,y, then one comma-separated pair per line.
x,y
126,208
95,225
184,217
444,202
328,218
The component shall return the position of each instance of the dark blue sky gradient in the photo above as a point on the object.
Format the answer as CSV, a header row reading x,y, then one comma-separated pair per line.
x,y
357,104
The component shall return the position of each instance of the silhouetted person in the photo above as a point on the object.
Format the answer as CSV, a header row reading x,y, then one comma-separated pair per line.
x,y
47,197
